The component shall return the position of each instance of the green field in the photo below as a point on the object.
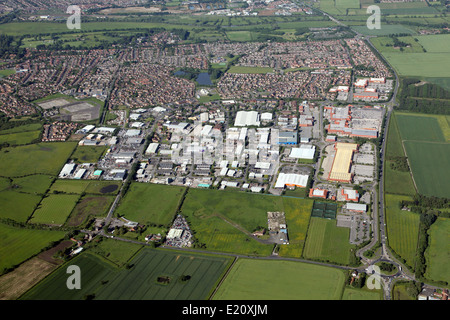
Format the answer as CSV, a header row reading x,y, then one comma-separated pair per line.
x,y
239,35
362,294
327,242
150,203
17,206
47,158
89,206
386,29
140,282
429,164
54,209
88,154
86,186
19,138
17,244
402,228
437,254
419,128
117,252
421,64
34,184
281,280
297,213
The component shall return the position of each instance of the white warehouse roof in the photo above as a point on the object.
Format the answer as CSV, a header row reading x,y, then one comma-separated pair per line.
x,y
291,179
246,118
304,152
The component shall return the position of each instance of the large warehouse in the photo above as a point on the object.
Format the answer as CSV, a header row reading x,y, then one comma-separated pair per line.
x,y
291,180
340,170
247,118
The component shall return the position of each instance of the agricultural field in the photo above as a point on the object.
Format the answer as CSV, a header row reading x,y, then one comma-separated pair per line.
x,y
34,184
28,274
150,203
362,294
429,165
20,138
421,64
48,158
116,252
281,280
17,244
402,228
396,181
327,242
17,206
154,275
437,254
385,30
419,128
54,209
88,154
425,139
297,213
85,186
89,205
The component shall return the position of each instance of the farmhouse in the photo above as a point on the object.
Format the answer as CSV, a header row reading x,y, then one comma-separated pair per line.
x,y
340,170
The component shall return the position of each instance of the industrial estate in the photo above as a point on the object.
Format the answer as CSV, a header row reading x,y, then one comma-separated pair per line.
x,y
187,150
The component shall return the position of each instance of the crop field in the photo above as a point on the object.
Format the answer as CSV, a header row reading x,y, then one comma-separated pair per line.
x,y
386,29
150,203
429,165
155,275
327,242
437,254
297,213
54,209
386,44
418,128
117,252
48,158
17,244
402,228
281,280
54,287
89,206
422,64
17,282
